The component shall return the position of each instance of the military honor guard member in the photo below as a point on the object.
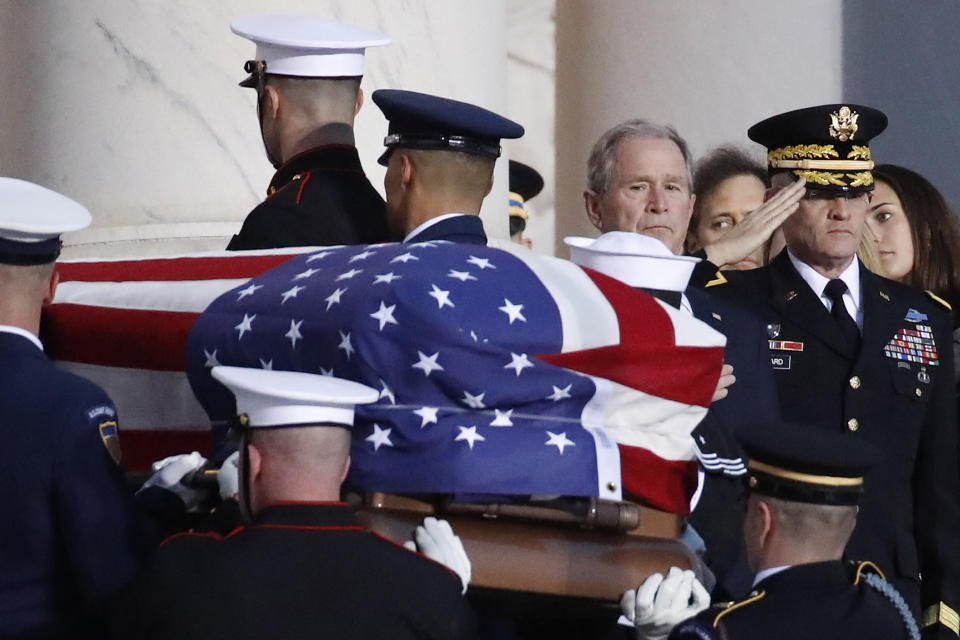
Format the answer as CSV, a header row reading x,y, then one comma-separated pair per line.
x,y
525,184
858,354
307,74
302,566
440,157
69,538
803,487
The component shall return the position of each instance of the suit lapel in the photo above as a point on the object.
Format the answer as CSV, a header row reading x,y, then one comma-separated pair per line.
x,y
796,302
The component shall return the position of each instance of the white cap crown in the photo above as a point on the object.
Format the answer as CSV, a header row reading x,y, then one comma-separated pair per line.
x,y
634,259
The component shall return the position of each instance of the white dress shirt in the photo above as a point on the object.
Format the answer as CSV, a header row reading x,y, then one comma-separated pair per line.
x,y
818,282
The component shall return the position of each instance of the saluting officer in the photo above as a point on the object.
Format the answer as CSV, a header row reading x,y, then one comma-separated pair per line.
x,y
307,76
857,353
68,539
440,157
303,566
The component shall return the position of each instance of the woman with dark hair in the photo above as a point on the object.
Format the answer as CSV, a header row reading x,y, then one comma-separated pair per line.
x,y
731,223
917,234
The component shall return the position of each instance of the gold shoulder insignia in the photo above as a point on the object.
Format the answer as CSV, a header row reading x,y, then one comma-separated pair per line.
x,y
867,567
111,439
753,597
936,298
885,296
943,614
720,279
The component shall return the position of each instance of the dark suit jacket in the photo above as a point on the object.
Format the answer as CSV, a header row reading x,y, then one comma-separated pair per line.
x,y
301,570
463,229
807,602
908,521
318,198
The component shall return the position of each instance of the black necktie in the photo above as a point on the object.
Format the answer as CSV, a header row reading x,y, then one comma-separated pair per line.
x,y
835,290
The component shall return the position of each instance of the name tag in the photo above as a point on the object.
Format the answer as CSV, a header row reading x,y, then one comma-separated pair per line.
x,y
780,362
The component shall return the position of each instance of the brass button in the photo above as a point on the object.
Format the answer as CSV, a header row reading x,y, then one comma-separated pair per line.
x,y
853,424
612,486
296,177
918,391
855,382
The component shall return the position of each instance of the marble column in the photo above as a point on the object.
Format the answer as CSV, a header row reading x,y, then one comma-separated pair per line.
x,y
711,69
133,108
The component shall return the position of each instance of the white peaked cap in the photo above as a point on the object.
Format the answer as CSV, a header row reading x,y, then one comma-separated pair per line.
x,y
31,213
634,259
308,47
288,398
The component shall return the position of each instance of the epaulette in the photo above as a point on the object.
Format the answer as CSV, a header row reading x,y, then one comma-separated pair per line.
x,y
727,607
937,298
718,279
941,613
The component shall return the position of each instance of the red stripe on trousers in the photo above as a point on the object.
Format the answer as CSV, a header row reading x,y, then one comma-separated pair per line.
x,y
130,338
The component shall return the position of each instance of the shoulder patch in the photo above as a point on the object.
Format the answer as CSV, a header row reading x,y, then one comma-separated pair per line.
x,y
938,299
111,439
718,280
733,606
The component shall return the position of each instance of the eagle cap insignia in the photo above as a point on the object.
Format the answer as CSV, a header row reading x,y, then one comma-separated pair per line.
x,y
843,124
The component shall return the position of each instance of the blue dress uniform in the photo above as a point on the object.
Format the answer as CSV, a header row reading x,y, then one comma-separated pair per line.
x,y
299,571
431,123
69,538
321,196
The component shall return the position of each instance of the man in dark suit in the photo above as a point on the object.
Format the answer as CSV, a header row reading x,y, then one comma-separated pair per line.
x,y
639,178
302,566
307,77
803,485
860,354
439,158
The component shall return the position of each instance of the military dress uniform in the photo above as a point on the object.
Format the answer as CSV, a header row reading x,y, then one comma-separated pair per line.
x,y
300,570
69,541
320,196
822,601
903,406
317,198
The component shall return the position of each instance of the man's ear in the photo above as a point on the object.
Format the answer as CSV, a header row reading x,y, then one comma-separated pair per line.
x,y
255,460
356,109
272,100
767,521
407,170
51,287
591,202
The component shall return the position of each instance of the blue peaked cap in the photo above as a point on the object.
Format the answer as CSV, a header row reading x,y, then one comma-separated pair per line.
x,y
422,121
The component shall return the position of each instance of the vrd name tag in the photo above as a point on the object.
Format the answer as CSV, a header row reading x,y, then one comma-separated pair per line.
x,y
780,362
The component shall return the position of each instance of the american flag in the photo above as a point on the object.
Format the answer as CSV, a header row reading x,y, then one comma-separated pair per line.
x,y
499,372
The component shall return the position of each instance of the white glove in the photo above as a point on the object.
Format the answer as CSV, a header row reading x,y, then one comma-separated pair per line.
x,y
228,478
436,540
169,472
655,611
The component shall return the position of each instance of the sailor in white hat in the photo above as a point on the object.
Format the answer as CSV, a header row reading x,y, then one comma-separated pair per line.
x,y
307,74
303,566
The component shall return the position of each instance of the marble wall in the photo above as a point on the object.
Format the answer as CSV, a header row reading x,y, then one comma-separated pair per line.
x,y
133,108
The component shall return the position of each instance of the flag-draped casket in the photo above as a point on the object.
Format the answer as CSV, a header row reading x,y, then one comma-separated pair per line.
x,y
499,371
